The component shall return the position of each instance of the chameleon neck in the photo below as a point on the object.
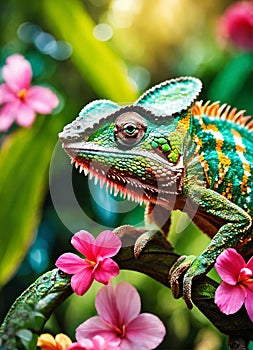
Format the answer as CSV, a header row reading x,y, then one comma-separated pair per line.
x,y
32,309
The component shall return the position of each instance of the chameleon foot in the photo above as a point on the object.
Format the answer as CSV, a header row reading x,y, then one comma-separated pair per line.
x,y
181,275
176,274
138,237
141,242
130,235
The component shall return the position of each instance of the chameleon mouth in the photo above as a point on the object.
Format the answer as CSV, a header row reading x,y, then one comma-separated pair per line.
x,y
152,185
122,184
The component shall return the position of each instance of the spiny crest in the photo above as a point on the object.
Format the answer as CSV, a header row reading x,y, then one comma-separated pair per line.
x,y
171,97
224,112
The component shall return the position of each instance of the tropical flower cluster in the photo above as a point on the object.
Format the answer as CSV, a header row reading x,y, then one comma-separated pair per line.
x,y
236,287
120,325
20,101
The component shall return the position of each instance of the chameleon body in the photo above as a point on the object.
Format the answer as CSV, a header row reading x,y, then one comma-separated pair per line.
x,y
171,151
32,308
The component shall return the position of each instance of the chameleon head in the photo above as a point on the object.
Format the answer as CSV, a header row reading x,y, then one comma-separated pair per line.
x,y
137,149
52,282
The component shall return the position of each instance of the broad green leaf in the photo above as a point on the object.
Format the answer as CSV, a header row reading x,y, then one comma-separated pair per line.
x,y
228,83
24,159
98,64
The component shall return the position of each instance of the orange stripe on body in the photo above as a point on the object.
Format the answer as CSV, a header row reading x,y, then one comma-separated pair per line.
x,y
241,150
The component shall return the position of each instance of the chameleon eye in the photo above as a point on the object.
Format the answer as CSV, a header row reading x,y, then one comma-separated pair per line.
x,y
129,129
62,274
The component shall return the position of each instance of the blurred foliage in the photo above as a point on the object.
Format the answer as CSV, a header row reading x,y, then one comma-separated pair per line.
x,y
119,49
15,248
22,191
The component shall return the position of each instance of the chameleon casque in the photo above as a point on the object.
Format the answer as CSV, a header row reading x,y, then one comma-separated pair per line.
x,y
168,149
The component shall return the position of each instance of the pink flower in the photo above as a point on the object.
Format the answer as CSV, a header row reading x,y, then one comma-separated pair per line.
x,y
20,100
237,285
96,343
97,264
120,321
236,24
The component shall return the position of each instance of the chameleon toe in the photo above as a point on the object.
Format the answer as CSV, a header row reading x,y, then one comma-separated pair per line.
x,y
176,274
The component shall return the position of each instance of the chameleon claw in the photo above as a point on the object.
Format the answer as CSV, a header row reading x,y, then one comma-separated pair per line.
x,y
187,287
178,286
141,243
128,234
183,272
138,237
174,275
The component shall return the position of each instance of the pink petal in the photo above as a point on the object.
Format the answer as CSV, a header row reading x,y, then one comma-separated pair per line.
x,y
95,326
249,303
245,276
120,305
239,24
7,116
17,73
107,244
101,344
249,264
42,99
228,298
144,332
81,281
71,263
105,270
128,302
228,265
83,241
25,115
6,95
97,343
78,346
106,305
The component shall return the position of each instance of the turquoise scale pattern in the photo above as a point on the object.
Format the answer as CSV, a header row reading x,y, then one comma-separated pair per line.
x,y
237,146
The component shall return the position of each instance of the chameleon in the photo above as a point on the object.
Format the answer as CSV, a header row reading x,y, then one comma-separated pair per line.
x,y
172,151
32,308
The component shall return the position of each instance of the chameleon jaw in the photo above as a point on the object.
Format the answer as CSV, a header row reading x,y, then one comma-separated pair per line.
x,y
126,187
153,184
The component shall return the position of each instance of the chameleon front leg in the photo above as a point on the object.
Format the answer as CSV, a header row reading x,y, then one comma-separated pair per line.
x,y
236,225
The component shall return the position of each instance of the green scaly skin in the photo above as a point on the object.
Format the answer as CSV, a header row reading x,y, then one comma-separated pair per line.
x,y
171,152
32,308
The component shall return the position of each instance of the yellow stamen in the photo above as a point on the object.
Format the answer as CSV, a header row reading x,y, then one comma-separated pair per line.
x,y
22,94
92,263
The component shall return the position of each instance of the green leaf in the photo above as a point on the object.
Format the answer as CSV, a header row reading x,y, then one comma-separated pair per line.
x,y
24,160
98,64
228,83
27,338
36,320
